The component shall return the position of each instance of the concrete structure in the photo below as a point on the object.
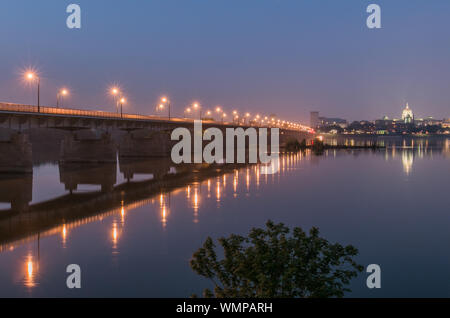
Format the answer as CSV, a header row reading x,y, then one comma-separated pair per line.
x,y
90,150
16,190
145,143
16,154
90,138
314,120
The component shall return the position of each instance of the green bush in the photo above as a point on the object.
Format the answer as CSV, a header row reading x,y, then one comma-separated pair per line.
x,y
272,263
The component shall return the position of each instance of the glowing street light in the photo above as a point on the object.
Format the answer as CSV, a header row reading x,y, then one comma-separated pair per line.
x,y
122,101
165,100
187,110
247,117
235,115
115,92
223,116
30,76
219,110
60,95
197,106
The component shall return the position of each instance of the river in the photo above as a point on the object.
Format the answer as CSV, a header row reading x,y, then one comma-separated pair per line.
x,y
132,227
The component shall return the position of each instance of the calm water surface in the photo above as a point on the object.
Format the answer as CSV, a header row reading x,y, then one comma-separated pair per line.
x,y
133,227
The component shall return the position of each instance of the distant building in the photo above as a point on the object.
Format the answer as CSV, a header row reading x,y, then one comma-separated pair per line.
x,y
407,115
325,121
384,124
314,119
446,123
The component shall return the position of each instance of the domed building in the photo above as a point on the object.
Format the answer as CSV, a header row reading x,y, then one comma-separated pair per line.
x,y
407,115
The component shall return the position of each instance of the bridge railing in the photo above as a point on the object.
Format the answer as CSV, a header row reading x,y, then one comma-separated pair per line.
x,y
29,109
71,112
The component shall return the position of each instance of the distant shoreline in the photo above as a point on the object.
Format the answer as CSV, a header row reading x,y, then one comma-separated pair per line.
x,y
383,136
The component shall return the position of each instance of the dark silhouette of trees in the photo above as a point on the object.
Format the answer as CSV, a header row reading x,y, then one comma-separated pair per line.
x,y
272,263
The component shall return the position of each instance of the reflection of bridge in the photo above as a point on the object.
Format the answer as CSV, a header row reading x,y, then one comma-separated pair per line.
x,y
90,134
74,174
17,188
78,207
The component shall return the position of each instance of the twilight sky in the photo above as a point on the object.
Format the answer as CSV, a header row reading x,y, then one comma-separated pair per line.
x,y
268,56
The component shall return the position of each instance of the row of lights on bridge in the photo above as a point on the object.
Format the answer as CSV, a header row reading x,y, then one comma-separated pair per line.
x,y
165,103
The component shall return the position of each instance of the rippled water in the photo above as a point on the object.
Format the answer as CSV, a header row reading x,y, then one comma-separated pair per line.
x,y
133,227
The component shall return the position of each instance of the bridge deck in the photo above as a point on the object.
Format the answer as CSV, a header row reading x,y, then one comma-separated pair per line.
x,y
45,111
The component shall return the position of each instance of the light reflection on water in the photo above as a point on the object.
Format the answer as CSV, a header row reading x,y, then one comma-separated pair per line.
x,y
147,221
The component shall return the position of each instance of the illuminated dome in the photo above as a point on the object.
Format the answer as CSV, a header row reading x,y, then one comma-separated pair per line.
x,y
407,115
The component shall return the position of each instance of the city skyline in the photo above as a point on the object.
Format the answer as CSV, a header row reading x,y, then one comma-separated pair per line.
x,y
394,116
208,52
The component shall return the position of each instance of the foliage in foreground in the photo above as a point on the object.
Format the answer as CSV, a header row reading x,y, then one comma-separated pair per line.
x,y
272,263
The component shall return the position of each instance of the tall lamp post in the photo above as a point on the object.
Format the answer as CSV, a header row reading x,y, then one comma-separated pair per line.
x,y
60,95
219,111
165,100
122,101
32,76
247,115
115,92
257,119
160,107
188,110
197,106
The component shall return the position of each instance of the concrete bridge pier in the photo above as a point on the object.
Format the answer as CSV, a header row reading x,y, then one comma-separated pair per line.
x,y
17,190
145,143
88,146
287,136
15,153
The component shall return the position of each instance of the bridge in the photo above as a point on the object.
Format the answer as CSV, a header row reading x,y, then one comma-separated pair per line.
x,y
89,134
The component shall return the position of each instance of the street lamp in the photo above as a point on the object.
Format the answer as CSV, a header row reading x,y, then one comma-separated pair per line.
x,y
31,77
219,110
115,92
188,110
197,106
165,100
60,95
122,101
235,116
